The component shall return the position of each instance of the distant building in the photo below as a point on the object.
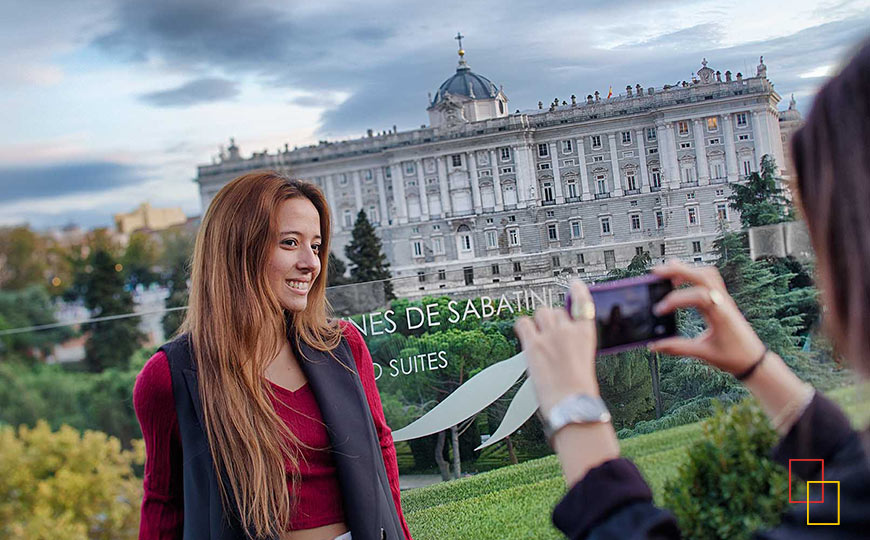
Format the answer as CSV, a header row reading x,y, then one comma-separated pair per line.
x,y
149,218
484,201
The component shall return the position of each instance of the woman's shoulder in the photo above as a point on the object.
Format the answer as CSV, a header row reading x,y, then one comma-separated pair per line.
x,y
350,332
154,382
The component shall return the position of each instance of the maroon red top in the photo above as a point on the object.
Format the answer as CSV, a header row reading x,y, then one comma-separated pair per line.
x,y
318,493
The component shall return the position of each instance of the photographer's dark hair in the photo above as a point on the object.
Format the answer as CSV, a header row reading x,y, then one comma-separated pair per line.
x,y
831,154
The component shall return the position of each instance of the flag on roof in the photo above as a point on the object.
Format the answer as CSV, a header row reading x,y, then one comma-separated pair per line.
x,y
610,92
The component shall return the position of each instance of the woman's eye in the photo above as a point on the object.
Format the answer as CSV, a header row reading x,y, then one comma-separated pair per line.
x,y
289,242
316,247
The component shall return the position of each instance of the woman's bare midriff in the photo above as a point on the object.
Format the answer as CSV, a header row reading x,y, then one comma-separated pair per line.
x,y
326,532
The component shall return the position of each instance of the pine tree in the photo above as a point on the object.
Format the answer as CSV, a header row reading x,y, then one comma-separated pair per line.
x,y
335,273
762,294
365,253
111,343
761,201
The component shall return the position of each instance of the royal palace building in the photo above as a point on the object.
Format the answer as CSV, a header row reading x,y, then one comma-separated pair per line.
x,y
488,200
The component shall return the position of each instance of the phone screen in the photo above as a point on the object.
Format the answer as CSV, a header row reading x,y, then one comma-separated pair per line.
x,y
624,316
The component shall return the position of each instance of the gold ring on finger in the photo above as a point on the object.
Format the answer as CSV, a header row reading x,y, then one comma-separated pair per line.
x,y
583,311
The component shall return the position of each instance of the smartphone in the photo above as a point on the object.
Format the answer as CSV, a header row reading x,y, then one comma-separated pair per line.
x,y
623,312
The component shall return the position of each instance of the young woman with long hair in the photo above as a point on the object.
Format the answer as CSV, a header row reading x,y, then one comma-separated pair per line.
x,y
608,497
262,418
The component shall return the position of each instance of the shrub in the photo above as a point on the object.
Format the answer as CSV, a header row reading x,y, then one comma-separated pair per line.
x,y
727,487
63,484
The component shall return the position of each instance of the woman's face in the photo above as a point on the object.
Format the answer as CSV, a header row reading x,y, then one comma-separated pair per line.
x,y
294,264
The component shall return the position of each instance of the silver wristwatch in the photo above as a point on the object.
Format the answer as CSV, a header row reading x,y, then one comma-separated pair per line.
x,y
575,409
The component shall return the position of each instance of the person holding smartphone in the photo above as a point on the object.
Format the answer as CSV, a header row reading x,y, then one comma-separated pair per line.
x,y
262,418
607,496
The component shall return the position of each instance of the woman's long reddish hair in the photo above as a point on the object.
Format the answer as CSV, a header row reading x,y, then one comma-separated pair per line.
x,y
831,153
236,324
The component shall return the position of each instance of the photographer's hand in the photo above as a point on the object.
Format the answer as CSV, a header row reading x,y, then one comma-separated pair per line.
x,y
729,343
560,353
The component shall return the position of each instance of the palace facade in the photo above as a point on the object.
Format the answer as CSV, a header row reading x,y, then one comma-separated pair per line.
x,y
485,201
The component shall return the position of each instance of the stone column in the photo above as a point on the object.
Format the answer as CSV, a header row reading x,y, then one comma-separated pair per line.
x,y
730,150
475,183
382,196
330,198
641,149
496,182
699,130
399,192
421,185
776,141
557,175
760,136
357,191
586,194
441,164
668,149
614,166
521,152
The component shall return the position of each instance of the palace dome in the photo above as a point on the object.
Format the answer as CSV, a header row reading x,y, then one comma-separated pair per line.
x,y
466,83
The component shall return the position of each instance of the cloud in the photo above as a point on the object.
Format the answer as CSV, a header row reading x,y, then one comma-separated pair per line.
x,y
699,36
204,90
19,183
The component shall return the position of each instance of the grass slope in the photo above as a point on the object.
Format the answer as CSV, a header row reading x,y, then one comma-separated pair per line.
x,y
515,502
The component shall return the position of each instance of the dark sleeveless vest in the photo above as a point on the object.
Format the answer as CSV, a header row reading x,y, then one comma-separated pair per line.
x,y
368,504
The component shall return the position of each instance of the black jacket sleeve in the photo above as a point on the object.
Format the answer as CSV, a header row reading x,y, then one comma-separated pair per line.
x,y
613,501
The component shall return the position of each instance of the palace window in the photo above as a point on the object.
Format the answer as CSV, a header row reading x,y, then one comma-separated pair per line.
x,y
722,212
442,275
711,142
518,267
437,246
631,180
572,189
651,134
544,166
596,141
656,177
548,192
581,259
347,216
367,175
552,232
543,150
557,262
342,179
743,137
692,215
660,219
601,183
626,137
576,229
683,127
747,167
567,146
491,239
605,225
418,248
505,153
456,159
506,170
712,124
696,246
421,276
685,145
409,167
513,237
635,222
495,269
741,119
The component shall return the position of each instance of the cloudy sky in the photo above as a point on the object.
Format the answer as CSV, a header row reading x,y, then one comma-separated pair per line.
x,y
109,103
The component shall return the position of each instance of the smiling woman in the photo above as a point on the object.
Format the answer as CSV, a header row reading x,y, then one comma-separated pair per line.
x,y
263,389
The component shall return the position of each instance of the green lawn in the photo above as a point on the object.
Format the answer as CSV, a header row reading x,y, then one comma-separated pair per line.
x,y
515,502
